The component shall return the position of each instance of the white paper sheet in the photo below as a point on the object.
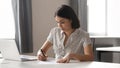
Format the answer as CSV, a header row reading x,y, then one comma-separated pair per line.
x,y
49,61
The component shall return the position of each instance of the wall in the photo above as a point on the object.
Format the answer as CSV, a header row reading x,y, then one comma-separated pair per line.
x,y
43,20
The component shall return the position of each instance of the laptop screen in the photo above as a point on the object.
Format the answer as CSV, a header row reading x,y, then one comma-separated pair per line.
x,y
9,49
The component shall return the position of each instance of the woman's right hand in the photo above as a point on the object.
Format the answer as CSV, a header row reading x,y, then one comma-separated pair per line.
x,y
41,56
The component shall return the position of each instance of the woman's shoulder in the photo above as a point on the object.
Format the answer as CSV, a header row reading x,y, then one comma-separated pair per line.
x,y
55,29
83,32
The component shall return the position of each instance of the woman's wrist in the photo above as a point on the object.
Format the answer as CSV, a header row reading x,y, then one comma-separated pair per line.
x,y
74,56
71,55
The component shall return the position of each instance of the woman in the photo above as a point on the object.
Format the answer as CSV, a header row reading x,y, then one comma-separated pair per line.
x,y
68,40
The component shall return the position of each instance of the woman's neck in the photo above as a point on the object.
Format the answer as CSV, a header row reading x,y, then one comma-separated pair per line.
x,y
69,32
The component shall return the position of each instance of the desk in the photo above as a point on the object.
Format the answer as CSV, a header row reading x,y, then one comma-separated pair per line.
x,y
106,49
34,64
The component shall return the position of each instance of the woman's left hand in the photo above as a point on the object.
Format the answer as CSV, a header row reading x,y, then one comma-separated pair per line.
x,y
65,59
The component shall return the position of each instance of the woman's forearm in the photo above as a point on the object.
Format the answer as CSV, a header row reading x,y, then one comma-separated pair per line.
x,y
81,57
46,46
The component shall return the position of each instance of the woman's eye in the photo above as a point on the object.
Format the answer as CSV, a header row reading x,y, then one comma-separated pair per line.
x,y
62,22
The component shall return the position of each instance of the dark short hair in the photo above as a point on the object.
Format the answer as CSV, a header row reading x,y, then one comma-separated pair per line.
x,y
67,12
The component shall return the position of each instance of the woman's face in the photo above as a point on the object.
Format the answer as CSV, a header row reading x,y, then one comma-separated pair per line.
x,y
63,23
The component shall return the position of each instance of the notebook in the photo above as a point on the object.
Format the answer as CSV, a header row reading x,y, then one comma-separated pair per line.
x,y
9,51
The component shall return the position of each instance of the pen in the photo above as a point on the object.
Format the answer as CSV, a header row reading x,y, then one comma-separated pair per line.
x,y
43,53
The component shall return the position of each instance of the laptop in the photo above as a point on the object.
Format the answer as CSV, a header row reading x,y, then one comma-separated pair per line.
x,y
9,51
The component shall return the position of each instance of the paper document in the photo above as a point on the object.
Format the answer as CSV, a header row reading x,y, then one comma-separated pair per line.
x,y
49,61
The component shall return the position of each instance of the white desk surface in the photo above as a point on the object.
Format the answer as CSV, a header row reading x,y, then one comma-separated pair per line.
x,y
116,49
35,64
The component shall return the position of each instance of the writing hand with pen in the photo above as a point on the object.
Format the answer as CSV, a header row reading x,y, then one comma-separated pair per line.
x,y
41,55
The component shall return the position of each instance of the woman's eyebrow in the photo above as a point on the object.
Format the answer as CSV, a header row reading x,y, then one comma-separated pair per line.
x,y
60,21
